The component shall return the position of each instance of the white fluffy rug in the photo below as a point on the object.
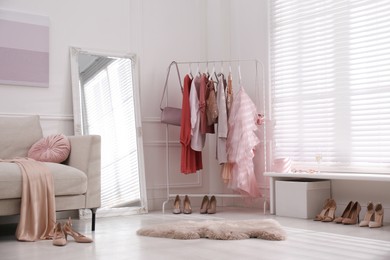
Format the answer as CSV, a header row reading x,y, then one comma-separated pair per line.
x,y
268,229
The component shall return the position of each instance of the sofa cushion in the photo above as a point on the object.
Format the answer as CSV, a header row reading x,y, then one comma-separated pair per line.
x,y
17,135
52,148
67,180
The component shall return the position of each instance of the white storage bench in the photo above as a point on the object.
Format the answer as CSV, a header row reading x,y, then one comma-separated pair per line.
x,y
302,198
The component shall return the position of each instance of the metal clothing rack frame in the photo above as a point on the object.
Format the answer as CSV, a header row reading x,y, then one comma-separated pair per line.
x,y
222,62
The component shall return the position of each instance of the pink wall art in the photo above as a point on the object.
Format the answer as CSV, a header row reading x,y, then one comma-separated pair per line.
x,y
24,49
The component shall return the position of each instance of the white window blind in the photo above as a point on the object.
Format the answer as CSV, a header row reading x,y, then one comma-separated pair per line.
x,y
330,74
110,113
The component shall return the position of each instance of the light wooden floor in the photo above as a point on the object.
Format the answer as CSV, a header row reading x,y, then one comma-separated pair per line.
x,y
115,238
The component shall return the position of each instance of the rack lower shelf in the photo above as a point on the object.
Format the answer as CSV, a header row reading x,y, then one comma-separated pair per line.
x,y
220,195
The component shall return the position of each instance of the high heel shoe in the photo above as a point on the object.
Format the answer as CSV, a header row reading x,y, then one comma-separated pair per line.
x,y
345,214
368,216
378,217
187,205
353,216
176,205
323,212
204,205
330,214
80,238
59,237
212,207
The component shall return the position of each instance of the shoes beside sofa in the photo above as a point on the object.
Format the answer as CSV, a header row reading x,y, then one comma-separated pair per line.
x,y
76,180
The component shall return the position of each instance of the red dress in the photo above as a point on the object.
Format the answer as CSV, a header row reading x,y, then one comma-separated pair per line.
x,y
191,160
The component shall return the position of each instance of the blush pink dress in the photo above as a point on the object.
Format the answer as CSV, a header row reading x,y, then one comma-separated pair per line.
x,y
241,142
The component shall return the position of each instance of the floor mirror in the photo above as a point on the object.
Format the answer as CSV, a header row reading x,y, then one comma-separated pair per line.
x,y
106,102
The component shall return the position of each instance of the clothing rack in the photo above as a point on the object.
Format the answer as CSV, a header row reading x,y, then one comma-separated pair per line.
x,y
257,63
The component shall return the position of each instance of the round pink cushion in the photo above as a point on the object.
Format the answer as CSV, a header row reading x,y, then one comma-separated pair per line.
x,y
53,148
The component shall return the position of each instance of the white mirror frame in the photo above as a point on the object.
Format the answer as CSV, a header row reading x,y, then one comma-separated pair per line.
x,y
77,108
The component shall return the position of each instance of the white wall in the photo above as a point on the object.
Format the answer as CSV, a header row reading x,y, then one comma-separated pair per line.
x,y
192,31
92,24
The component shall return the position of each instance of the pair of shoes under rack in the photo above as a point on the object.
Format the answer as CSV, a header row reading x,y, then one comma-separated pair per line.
x,y
373,217
62,231
177,208
208,206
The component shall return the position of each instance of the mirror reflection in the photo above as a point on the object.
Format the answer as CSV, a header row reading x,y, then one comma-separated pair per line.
x,y
105,103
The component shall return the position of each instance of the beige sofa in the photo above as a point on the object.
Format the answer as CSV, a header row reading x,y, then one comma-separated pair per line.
x,y
76,181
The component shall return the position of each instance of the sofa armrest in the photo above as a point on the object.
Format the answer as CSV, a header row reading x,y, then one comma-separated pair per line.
x,y
85,155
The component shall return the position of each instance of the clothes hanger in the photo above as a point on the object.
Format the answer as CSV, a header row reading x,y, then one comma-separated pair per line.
x,y
212,73
197,70
216,75
190,71
239,74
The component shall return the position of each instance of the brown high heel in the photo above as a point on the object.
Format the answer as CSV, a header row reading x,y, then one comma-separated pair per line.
x,y
323,212
176,205
204,205
353,216
80,238
187,205
330,215
345,214
59,237
378,217
212,207
368,216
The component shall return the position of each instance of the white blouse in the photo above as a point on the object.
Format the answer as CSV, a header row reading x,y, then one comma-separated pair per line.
x,y
197,139
222,126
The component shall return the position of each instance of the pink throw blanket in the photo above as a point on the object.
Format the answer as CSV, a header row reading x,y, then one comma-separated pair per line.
x,y
37,210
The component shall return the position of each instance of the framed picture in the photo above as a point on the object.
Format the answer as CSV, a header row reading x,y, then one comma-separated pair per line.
x,y
24,49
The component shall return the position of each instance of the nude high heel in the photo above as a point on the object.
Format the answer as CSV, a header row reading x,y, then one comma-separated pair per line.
x,y
212,208
323,212
368,216
378,217
353,216
187,205
204,205
345,214
176,205
79,238
59,237
330,215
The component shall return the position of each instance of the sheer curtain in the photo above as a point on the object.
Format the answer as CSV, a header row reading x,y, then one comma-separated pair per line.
x,y
330,77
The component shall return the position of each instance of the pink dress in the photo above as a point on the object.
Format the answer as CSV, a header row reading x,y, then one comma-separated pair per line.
x,y
241,142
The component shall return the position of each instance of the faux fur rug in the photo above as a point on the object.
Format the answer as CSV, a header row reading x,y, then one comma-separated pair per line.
x,y
268,229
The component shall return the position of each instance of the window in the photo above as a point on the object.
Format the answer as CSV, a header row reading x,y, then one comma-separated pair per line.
x,y
330,78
